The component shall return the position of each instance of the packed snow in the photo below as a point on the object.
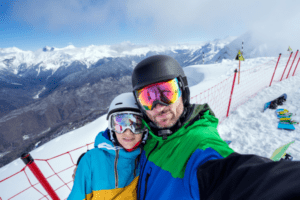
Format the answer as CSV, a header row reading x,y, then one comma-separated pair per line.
x,y
251,130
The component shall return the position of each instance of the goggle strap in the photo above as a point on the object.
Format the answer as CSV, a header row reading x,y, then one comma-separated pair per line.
x,y
111,137
182,80
146,132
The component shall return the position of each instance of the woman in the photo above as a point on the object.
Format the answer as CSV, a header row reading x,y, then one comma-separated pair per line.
x,y
109,171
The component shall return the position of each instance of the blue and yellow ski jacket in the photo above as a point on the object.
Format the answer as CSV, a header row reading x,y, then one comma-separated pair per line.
x,y
106,172
169,167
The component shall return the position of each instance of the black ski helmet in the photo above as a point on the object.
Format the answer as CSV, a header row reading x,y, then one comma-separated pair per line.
x,y
160,68
156,69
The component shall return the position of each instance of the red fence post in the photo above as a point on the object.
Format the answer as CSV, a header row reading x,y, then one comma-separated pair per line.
x,y
275,69
235,71
292,64
296,66
286,65
28,160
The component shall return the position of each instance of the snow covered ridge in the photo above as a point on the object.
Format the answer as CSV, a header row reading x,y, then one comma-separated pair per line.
x,y
90,54
51,58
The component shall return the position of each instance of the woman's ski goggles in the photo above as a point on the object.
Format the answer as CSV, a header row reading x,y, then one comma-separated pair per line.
x,y
166,93
121,121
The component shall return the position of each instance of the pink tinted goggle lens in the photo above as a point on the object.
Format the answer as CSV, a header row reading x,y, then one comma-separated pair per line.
x,y
167,92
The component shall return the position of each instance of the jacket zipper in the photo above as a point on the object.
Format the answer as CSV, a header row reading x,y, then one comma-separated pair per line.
x,y
116,169
146,184
136,163
148,174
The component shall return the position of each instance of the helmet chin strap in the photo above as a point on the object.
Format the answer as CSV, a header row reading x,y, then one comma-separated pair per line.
x,y
134,147
142,142
164,133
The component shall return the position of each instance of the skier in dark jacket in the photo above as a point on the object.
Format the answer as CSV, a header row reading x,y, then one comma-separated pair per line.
x,y
184,156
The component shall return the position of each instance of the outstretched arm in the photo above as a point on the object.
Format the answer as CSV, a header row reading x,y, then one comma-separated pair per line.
x,y
248,177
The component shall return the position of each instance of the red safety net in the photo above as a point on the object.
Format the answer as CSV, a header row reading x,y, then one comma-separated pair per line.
x,y
52,170
248,83
251,81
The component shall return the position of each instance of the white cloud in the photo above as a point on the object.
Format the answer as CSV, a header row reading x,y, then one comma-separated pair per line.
x,y
168,20
270,19
57,14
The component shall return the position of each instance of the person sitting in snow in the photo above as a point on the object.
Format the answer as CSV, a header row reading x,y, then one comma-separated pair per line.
x,y
185,157
110,170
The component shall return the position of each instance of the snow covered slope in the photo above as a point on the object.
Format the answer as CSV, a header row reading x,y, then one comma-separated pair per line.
x,y
251,130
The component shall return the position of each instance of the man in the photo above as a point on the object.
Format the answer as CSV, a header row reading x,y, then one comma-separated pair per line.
x,y
184,156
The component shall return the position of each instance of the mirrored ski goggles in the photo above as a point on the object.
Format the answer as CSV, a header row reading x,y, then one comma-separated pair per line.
x,y
166,93
121,121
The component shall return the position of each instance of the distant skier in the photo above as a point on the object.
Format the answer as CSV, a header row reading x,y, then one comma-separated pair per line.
x,y
110,171
185,158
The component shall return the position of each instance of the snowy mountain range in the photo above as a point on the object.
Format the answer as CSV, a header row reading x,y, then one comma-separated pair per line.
x,y
53,90
27,75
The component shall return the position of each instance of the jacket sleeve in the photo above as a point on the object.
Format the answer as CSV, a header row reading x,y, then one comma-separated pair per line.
x,y
82,188
248,177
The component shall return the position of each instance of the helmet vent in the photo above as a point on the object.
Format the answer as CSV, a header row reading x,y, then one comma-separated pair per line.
x,y
119,103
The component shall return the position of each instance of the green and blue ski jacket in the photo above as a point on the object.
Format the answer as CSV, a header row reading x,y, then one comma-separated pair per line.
x,y
169,167
195,163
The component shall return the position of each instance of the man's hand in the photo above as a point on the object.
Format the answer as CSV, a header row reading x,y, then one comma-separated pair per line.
x,y
74,172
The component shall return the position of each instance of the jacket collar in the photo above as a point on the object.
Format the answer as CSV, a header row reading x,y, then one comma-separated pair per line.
x,y
105,144
196,111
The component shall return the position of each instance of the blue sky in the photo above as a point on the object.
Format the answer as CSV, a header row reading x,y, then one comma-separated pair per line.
x,y
33,24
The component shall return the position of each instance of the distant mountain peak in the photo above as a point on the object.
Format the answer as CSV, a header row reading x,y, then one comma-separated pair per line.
x,y
69,47
10,50
47,49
